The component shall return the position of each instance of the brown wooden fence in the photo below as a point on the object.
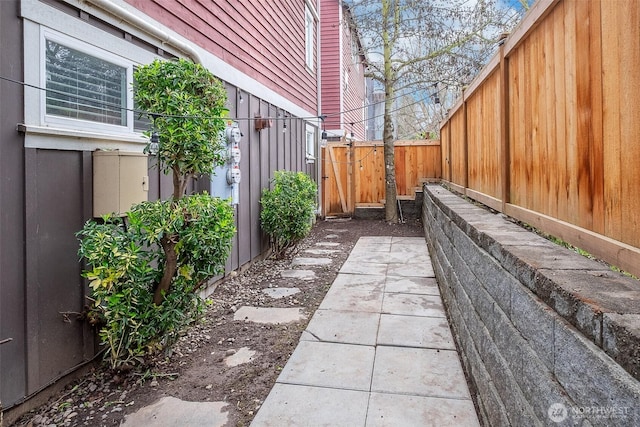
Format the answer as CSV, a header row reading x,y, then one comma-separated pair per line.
x,y
549,133
353,174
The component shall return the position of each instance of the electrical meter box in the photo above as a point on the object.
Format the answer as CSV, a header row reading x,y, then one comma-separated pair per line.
x,y
225,181
120,180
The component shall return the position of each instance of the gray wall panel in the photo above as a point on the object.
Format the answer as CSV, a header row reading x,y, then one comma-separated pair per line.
x,y
12,314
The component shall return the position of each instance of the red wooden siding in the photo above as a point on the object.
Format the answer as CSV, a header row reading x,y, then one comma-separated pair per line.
x,y
342,103
331,93
354,95
265,40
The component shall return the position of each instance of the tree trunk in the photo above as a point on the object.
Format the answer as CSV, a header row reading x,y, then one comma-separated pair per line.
x,y
170,266
390,13
169,243
390,200
179,183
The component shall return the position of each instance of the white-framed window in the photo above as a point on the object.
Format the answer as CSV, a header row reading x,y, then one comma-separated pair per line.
x,y
84,87
311,144
309,32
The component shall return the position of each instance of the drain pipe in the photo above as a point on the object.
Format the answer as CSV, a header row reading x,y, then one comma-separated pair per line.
x,y
141,24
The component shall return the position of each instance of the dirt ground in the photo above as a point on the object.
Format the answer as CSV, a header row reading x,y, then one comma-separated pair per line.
x,y
193,369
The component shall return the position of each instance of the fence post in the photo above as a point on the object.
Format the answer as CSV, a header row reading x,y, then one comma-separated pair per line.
x,y
503,99
465,144
449,167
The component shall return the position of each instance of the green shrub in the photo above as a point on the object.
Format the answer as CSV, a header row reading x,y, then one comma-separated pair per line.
x,y
288,209
186,102
144,271
126,262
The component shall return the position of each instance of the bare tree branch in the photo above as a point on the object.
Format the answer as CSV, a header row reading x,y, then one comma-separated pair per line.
x,y
421,53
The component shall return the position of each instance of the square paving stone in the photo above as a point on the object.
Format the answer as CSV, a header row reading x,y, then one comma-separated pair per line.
x,y
370,248
413,305
294,405
347,327
400,410
174,412
359,267
412,285
298,274
376,239
370,257
409,241
409,257
413,331
333,365
352,300
411,270
269,315
420,372
310,261
362,282
322,251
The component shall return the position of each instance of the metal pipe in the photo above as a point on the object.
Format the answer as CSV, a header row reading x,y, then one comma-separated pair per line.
x,y
141,24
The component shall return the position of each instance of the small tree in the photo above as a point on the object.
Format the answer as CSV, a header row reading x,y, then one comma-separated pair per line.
x,y
418,48
186,103
288,209
144,270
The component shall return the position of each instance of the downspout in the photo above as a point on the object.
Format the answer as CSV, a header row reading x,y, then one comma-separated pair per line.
x,y
136,21
318,153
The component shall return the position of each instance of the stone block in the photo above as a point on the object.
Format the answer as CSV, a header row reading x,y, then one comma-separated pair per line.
x,y
581,296
491,406
592,379
621,340
489,274
535,321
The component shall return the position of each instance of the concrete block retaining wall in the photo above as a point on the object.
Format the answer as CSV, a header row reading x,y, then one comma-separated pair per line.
x,y
547,336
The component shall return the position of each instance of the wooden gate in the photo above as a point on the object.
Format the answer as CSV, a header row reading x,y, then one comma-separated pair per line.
x,y
353,173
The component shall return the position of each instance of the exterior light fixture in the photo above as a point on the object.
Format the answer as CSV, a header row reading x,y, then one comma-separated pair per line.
x,y
154,143
324,130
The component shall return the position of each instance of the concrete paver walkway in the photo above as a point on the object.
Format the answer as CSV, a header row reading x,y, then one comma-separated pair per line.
x,y
377,352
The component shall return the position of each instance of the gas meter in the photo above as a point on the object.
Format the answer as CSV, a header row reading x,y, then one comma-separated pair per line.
x,y
233,134
225,182
234,154
233,175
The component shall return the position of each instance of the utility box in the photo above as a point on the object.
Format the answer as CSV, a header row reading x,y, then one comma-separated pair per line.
x,y
120,180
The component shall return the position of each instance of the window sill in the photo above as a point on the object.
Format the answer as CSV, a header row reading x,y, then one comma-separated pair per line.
x,y
46,137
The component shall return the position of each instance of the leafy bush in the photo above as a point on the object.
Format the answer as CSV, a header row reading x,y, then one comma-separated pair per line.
x,y
144,271
202,225
288,209
125,263
186,102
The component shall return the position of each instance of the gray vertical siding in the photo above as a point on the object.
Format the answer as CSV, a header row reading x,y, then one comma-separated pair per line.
x,y
56,203
12,280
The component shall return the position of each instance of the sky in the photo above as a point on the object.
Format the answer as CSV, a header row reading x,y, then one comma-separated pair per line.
x,y
514,4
